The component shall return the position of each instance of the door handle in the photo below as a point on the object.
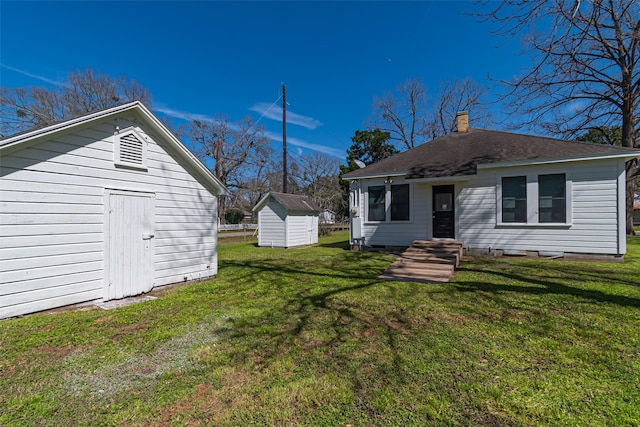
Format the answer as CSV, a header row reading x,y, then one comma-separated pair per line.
x,y
148,236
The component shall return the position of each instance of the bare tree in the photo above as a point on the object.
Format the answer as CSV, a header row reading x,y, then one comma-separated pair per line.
x,y
402,113
235,151
456,96
85,91
585,68
318,175
410,120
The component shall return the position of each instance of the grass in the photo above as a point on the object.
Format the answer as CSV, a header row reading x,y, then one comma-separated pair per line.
x,y
309,336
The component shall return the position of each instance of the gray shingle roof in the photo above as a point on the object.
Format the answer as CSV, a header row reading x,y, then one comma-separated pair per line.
x,y
459,154
295,202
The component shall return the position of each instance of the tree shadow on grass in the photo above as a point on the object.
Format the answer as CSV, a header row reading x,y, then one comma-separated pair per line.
x,y
322,312
548,280
343,244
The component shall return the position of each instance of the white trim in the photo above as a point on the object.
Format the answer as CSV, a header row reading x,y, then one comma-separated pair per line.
x,y
52,129
533,216
387,204
381,175
456,178
438,180
117,145
621,190
135,106
558,160
106,272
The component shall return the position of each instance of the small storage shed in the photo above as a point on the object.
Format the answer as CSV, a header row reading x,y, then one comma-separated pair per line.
x,y
286,220
101,207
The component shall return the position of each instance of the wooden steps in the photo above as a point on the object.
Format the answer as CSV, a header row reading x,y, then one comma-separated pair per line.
x,y
426,261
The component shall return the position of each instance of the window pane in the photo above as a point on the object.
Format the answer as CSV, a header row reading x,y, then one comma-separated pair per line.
x,y
444,202
400,202
376,203
514,199
552,198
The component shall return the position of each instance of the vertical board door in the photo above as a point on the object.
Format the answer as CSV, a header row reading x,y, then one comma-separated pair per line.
x,y
309,230
129,245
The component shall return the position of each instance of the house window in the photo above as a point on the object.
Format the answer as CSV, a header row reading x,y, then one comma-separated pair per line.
x,y
552,198
130,149
514,199
376,211
400,202
534,199
388,202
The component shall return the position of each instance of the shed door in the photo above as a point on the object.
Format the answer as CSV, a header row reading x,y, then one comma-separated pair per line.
x,y
129,245
443,211
309,230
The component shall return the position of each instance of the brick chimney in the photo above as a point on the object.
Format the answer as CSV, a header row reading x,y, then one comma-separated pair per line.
x,y
463,121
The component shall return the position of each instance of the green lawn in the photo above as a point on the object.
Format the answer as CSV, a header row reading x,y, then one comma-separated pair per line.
x,y
310,336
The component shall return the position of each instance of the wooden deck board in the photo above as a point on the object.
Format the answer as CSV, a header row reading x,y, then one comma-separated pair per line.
x,y
425,261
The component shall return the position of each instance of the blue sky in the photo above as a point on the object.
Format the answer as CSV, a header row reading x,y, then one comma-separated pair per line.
x,y
209,58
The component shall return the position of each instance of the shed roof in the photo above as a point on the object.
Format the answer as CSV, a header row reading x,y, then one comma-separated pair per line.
x,y
461,153
291,202
20,140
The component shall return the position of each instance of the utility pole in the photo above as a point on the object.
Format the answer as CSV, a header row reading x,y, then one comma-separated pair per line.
x,y
218,143
284,139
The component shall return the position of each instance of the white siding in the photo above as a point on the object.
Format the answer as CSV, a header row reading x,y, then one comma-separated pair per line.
x,y
302,229
596,204
279,228
397,233
271,225
593,218
52,217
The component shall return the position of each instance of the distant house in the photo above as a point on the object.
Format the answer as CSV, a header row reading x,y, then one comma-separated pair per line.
x,y
497,192
101,207
286,220
327,217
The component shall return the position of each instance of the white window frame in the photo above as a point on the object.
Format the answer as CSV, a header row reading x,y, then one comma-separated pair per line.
x,y
117,138
533,219
387,203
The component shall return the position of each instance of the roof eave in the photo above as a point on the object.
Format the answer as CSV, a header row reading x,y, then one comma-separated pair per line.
x,y
52,130
528,162
377,175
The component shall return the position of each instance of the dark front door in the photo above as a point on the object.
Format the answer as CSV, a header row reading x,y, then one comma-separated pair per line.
x,y
443,212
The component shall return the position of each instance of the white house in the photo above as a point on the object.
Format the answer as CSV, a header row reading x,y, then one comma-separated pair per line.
x,y
327,217
104,206
498,192
286,220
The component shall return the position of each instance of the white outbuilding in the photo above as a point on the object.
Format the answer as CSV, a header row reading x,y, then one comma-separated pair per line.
x,y
286,220
101,207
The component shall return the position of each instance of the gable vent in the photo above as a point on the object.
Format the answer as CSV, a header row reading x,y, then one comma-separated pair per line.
x,y
131,150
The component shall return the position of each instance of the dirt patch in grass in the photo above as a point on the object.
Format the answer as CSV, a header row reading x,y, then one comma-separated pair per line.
x,y
140,370
55,351
208,405
129,330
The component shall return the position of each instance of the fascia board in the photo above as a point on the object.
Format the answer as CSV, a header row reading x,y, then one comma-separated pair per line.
x,y
183,151
261,203
148,116
378,175
51,130
558,160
